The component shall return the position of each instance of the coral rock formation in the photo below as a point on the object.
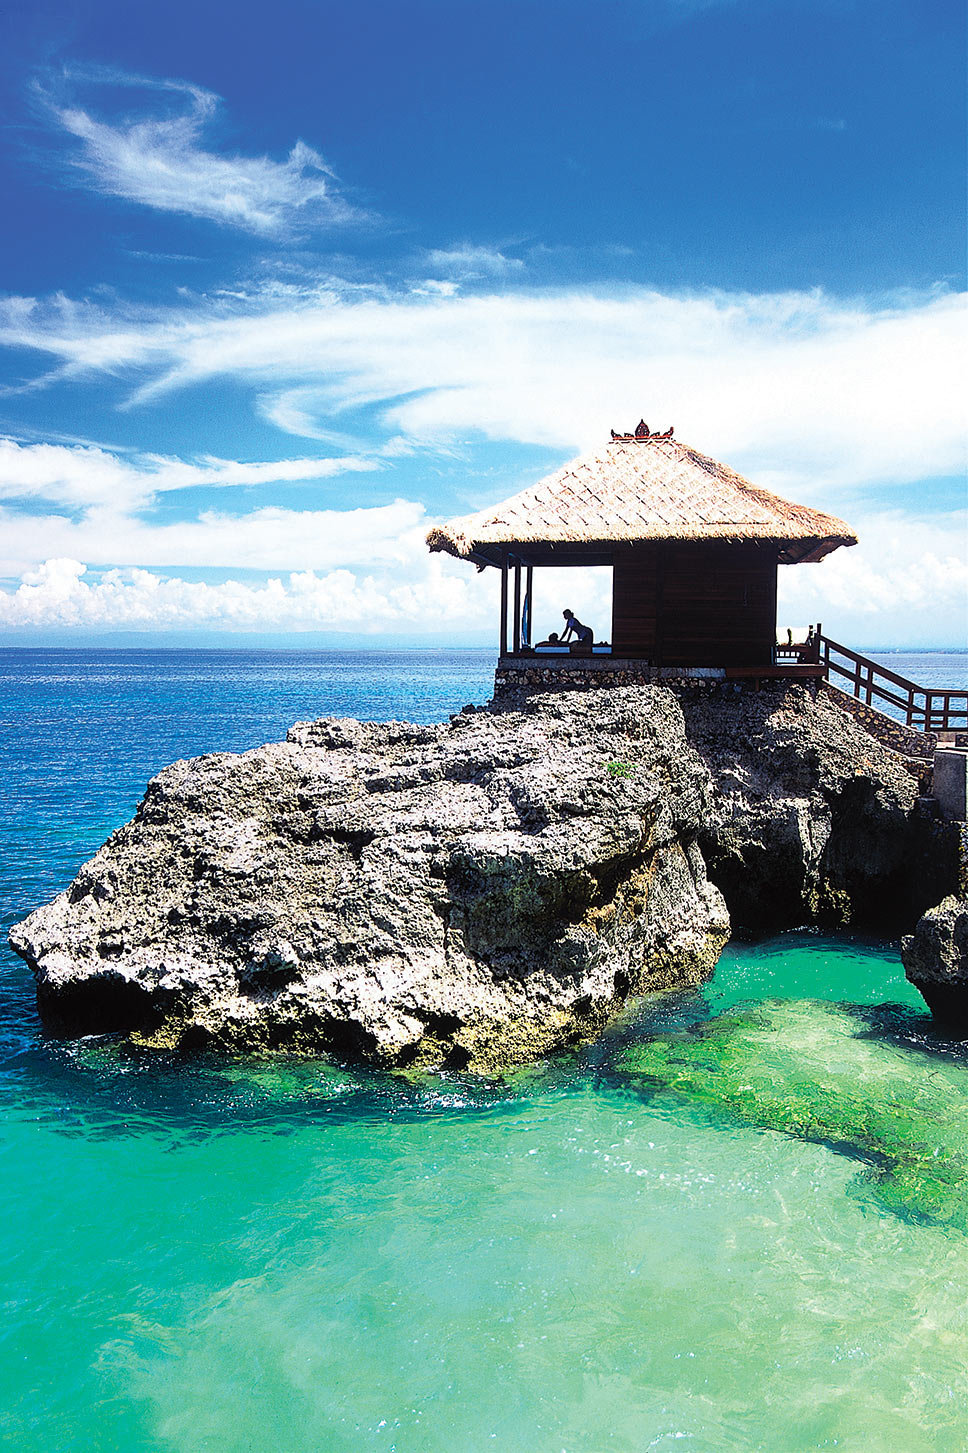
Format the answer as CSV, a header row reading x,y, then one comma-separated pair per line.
x,y
935,960
475,893
480,892
813,820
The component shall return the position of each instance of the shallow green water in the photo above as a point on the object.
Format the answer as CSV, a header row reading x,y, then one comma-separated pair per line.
x,y
244,1256
276,1255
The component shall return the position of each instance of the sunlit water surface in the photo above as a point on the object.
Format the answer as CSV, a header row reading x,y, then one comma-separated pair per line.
x,y
280,1255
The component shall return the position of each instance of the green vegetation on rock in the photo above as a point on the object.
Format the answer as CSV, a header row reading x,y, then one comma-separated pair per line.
x,y
817,1071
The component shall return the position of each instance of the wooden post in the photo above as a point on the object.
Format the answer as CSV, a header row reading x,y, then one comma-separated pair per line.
x,y
659,593
504,603
516,635
771,654
528,597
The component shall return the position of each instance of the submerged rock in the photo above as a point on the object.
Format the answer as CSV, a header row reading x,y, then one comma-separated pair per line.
x,y
475,893
935,961
819,1072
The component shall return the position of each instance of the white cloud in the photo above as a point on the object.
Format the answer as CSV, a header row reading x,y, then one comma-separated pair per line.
x,y
809,395
425,594
433,287
906,583
57,595
263,539
90,477
159,161
369,570
107,498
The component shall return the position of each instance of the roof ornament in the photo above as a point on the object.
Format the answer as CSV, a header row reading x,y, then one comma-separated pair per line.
x,y
641,435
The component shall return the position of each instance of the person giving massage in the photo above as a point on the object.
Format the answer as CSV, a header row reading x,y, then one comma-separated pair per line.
x,y
584,634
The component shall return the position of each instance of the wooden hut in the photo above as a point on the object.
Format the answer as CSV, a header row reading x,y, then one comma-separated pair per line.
x,y
694,550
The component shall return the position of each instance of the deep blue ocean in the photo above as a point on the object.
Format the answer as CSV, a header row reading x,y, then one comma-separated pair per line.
x,y
249,1254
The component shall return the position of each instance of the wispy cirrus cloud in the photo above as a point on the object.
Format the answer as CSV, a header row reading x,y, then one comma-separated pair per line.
x,y
471,263
803,391
89,477
160,160
266,538
84,502
103,560
813,396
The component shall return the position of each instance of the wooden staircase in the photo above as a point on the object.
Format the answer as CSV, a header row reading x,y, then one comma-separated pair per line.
x,y
930,715
926,709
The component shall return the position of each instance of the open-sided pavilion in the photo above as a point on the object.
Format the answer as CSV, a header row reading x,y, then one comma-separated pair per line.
x,y
694,550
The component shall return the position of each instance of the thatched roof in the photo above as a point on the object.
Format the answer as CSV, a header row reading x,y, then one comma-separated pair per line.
x,y
631,490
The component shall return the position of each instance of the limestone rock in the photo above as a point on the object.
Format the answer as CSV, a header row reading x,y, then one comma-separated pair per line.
x,y
474,893
812,821
480,892
935,960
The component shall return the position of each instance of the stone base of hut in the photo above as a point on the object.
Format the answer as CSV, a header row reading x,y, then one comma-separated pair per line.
x,y
583,673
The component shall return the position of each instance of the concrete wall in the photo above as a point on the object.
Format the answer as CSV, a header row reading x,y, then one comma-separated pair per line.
x,y
950,785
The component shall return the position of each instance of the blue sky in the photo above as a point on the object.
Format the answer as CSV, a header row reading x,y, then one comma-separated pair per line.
x,y
282,285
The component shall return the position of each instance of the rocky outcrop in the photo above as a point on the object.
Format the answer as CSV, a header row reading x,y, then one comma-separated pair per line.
x,y
812,820
480,892
917,746
935,959
475,893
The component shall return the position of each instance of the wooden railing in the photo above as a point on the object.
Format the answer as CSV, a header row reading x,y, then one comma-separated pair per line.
x,y
927,709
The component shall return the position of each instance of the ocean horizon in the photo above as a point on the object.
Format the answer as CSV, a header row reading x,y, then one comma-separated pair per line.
x,y
170,641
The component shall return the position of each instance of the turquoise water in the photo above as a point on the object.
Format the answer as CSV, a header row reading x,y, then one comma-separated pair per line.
x,y
274,1254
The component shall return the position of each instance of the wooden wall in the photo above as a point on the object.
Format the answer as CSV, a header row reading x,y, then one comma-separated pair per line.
x,y
705,603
